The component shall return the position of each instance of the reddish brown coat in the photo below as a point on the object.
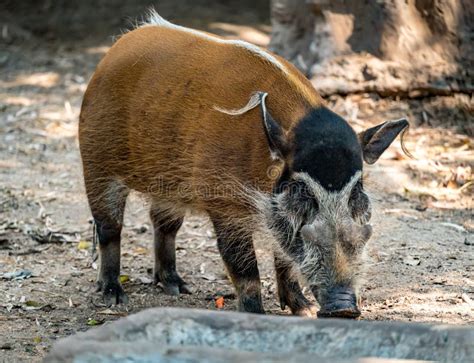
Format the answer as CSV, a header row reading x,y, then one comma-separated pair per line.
x,y
148,116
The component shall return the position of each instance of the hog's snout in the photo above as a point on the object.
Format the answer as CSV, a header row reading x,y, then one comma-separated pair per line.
x,y
333,251
339,302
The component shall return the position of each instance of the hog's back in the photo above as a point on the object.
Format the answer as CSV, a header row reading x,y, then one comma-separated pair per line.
x,y
148,116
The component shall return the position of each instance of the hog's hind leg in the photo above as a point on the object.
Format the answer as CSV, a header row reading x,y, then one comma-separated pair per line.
x,y
239,257
165,230
289,290
107,200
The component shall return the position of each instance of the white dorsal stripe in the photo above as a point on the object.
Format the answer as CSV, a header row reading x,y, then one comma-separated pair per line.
x,y
255,99
155,19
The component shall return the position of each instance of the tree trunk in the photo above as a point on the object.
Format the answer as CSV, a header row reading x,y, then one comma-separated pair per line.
x,y
414,47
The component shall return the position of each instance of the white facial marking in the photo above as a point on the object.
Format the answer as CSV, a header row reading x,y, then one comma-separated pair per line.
x,y
332,205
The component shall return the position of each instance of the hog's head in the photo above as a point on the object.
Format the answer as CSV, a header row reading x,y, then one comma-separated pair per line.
x,y
319,212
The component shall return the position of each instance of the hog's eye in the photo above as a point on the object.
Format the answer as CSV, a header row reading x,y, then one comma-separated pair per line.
x,y
303,199
301,191
359,204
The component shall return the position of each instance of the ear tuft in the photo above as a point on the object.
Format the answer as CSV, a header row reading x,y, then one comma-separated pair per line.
x,y
377,139
274,132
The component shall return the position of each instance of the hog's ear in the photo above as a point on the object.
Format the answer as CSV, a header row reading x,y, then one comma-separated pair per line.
x,y
377,139
275,134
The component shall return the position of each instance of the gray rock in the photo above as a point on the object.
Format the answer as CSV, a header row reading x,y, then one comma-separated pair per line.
x,y
184,335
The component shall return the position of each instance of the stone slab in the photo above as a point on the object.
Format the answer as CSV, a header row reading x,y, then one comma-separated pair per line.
x,y
175,335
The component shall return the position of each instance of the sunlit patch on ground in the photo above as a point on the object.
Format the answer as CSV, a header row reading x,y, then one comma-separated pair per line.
x,y
250,34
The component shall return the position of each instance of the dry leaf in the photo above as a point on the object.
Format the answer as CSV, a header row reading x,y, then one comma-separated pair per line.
x,y
412,261
109,312
219,302
17,275
93,322
467,300
145,280
83,245
37,340
454,226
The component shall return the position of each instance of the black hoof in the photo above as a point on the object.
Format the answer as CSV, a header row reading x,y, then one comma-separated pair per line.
x,y
250,304
113,294
297,302
173,284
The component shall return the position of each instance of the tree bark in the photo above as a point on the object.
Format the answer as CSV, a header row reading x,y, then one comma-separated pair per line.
x,y
414,47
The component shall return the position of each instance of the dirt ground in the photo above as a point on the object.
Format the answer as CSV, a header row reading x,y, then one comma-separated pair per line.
x,y
420,264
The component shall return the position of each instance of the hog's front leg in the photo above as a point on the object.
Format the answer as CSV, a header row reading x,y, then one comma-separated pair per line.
x,y
289,290
238,254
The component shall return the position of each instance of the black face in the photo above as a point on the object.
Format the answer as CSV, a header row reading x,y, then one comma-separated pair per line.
x,y
317,190
319,211
326,148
